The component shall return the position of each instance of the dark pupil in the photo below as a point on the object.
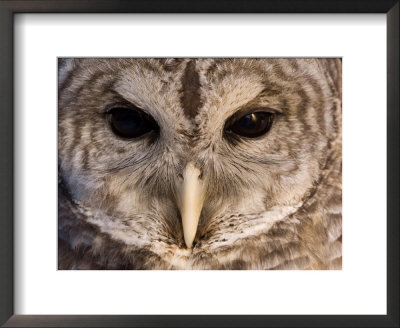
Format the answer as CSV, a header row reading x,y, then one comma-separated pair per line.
x,y
249,122
130,123
253,125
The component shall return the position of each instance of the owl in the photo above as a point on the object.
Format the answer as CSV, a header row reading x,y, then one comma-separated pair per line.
x,y
199,163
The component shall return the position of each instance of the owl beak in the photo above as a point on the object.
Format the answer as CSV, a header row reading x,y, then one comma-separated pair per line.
x,y
190,202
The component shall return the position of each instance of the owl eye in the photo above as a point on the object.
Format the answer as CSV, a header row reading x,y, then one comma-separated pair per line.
x,y
252,125
130,123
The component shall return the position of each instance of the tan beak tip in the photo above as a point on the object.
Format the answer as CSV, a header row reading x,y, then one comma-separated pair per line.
x,y
189,237
188,244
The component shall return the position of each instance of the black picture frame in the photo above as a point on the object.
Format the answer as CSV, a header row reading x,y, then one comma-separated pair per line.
x,y
7,11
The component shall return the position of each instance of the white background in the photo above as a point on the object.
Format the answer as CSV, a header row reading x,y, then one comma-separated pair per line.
x,y
360,288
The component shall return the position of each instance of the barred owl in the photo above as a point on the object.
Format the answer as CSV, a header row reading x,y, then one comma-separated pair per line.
x,y
183,163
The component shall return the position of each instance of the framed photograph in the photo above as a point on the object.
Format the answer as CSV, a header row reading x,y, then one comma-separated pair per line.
x,y
205,164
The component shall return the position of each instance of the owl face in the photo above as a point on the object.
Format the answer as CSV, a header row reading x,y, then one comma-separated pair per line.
x,y
189,155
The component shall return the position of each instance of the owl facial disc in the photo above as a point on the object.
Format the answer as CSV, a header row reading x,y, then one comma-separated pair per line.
x,y
190,201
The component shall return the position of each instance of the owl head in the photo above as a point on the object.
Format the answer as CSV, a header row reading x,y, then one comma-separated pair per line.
x,y
185,154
